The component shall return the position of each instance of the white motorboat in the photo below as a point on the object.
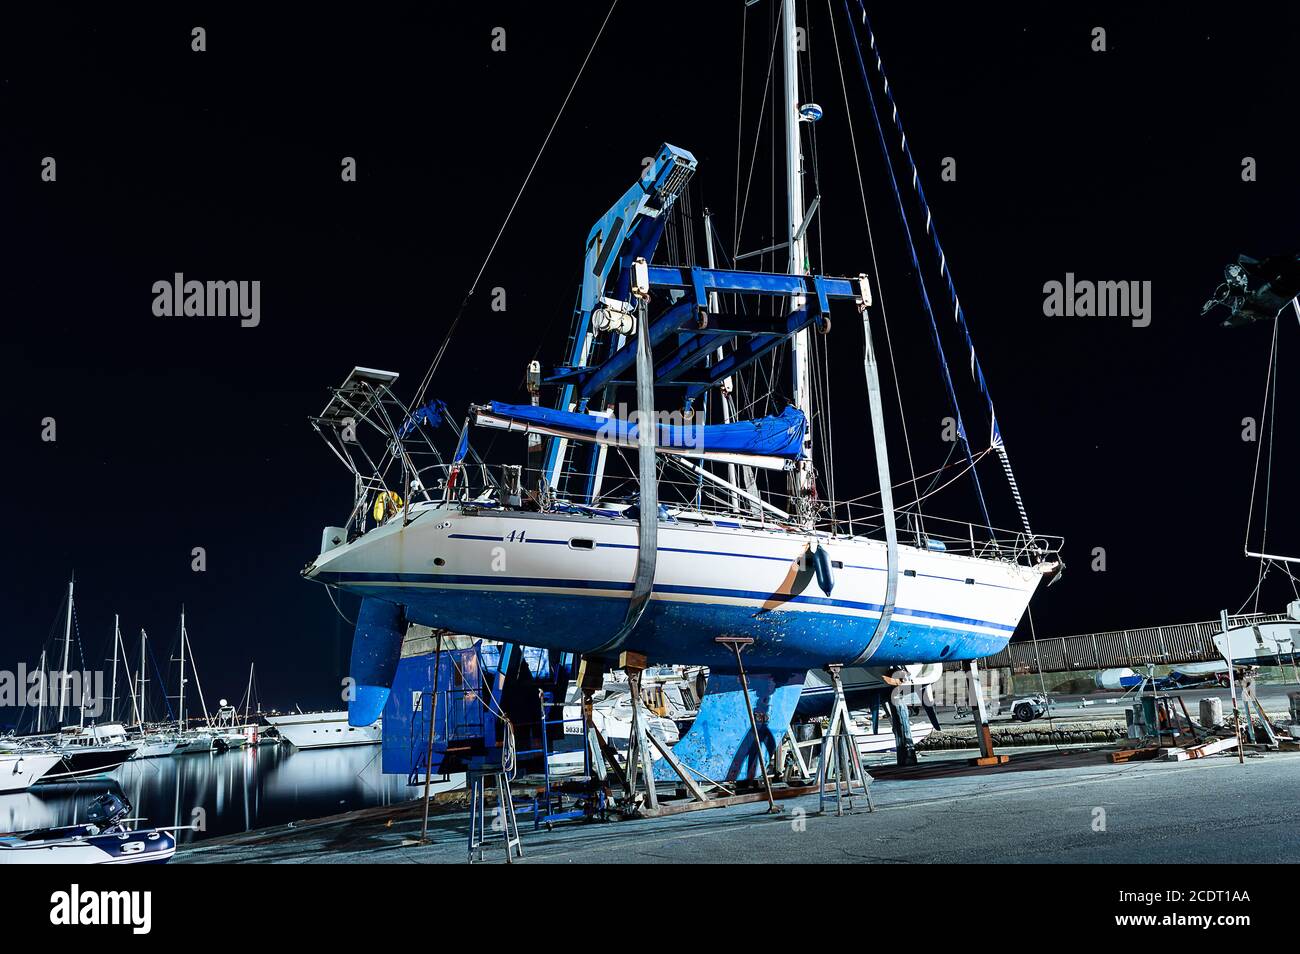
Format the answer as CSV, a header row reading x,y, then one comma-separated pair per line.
x,y
22,768
89,751
319,730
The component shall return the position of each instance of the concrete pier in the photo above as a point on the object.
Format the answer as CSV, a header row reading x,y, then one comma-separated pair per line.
x,y
1042,807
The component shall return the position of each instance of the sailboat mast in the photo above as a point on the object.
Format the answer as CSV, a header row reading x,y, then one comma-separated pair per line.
x,y
181,703
126,671
112,699
40,704
185,639
248,697
67,643
800,345
140,707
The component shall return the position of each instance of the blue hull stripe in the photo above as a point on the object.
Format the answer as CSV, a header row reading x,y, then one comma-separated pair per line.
x,y
750,556
450,578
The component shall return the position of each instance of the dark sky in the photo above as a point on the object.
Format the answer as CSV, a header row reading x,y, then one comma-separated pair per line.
x,y
177,433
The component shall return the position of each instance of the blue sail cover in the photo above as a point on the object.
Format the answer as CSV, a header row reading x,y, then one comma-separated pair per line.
x,y
780,436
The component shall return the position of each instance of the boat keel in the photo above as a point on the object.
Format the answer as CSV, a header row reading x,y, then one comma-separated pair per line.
x,y
376,648
720,743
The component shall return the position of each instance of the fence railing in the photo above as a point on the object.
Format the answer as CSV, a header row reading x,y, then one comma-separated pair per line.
x,y
1120,648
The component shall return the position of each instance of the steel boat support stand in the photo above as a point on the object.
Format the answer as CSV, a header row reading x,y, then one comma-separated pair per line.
x,y
841,759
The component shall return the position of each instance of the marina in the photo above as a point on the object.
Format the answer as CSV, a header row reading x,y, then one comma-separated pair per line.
x,y
641,456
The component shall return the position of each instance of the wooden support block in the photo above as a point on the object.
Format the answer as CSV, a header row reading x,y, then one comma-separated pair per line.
x,y
631,660
1133,755
987,760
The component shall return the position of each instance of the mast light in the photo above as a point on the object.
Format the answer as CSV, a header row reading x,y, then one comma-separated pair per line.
x,y
809,113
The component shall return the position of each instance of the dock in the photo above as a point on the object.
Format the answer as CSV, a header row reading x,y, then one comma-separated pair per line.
x,y
1042,806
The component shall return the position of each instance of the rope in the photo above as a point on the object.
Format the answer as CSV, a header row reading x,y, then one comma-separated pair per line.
x,y
442,349
916,264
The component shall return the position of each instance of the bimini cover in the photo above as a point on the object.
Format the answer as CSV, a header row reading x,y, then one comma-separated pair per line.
x,y
779,437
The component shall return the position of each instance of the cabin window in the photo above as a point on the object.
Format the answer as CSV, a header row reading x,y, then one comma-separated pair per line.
x,y
838,564
582,543
970,581
909,573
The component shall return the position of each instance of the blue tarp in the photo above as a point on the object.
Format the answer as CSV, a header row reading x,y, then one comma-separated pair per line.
x,y
430,414
780,436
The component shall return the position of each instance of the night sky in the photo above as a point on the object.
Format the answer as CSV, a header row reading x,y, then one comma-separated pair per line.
x,y
187,432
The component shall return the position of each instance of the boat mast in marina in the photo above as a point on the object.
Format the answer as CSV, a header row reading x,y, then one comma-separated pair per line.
x,y
40,701
187,655
67,644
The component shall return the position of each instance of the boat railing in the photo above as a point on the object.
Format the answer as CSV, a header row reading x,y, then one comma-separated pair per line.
x,y
688,498
941,534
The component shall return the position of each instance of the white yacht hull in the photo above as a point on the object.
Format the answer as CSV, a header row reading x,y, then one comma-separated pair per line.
x,y
21,770
324,730
1262,644
563,581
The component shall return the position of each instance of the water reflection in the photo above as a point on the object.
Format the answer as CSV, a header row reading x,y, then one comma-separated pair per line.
x,y
237,790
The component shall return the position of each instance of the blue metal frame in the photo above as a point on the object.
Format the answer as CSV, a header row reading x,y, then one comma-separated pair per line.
x,y
631,229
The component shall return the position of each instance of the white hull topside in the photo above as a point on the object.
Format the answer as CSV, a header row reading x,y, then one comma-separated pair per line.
x,y
321,730
21,770
1262,643
563,581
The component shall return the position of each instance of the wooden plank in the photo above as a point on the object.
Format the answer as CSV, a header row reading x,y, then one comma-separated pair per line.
x,y
1134,755
679,806
1211,748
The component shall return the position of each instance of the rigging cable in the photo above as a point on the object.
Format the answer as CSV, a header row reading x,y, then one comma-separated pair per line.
x,y
758,130
1270,398
161,682
1042,681
976,372
442,349
875,267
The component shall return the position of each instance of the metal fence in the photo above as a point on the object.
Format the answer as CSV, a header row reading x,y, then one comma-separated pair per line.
x,y
1162,645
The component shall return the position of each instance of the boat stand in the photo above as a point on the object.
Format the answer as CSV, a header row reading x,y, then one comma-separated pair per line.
x,y
840,758
975,692
639,758
504,827
1267,736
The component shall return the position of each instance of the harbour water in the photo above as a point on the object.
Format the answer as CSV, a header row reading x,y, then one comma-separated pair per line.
x,y
227,793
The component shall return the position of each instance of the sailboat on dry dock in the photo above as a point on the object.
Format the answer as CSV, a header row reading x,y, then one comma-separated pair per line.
x,y
656,514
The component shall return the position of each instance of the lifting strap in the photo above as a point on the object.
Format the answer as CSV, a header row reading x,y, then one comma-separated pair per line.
x,y
886,490
647,480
